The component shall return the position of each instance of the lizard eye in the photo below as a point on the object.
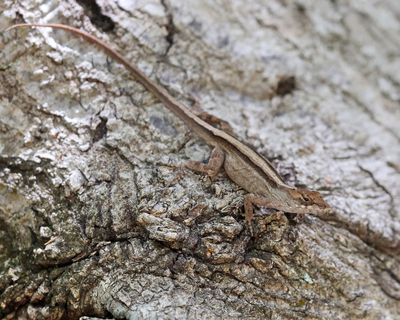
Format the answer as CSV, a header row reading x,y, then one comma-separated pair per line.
x,y
305,198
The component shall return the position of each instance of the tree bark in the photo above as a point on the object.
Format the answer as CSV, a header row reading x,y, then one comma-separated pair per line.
x,y
97,216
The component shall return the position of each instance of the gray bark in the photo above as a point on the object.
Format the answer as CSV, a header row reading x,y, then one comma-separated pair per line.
x,y
97,217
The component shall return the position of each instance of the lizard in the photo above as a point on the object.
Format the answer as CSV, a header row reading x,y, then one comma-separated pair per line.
x,y
242,164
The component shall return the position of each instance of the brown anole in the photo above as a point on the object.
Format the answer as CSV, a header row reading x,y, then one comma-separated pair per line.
x,y
243,165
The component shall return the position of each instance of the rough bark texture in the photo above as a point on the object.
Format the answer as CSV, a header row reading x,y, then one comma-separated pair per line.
x,y
98,219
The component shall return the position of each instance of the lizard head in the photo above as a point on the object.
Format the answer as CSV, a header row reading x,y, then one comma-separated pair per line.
x,y
308,198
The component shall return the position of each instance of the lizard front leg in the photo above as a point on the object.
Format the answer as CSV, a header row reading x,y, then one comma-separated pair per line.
x,y
212,167
252,200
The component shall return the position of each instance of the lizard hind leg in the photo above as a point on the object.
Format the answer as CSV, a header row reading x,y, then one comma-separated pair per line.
x,y
213,166
210,118
215,122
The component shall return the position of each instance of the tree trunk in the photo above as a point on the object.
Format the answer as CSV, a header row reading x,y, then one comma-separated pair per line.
x,y
97,216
